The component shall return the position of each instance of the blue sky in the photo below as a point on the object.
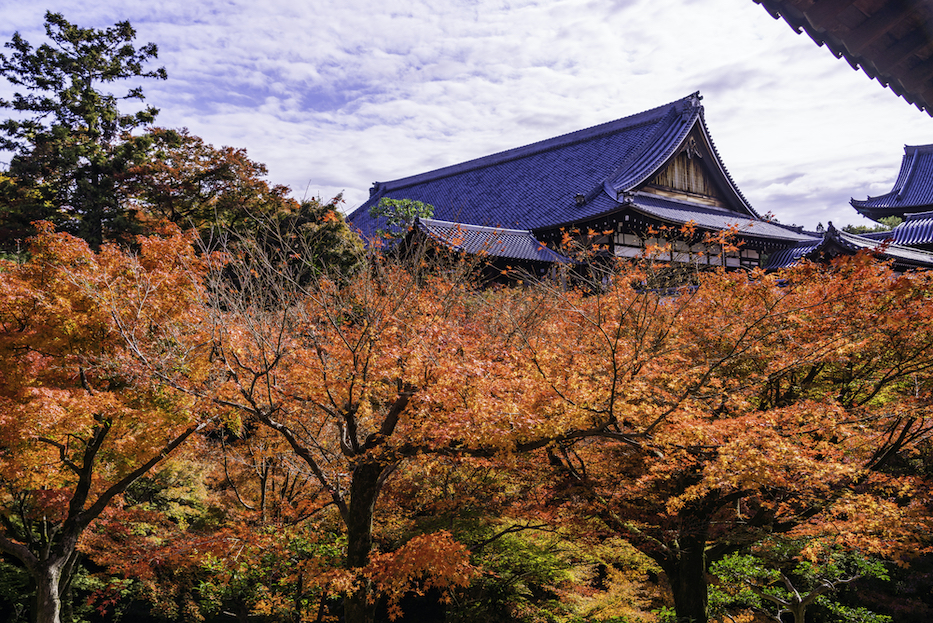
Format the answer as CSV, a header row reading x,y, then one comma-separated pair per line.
x,y
334,94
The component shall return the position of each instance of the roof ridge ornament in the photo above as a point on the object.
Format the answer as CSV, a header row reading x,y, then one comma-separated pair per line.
x,y
691,149
627,197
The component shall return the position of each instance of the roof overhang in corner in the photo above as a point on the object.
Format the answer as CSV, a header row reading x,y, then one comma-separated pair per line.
x,y
891,40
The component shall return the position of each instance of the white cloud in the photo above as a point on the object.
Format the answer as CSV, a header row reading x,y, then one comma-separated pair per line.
x,y
339,93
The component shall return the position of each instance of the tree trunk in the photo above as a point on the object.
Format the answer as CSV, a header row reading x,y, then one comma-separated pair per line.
x,y
48,598
360,607
686,572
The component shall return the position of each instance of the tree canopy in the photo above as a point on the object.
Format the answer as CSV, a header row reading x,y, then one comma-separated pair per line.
x,y
82,421
689,425
71,142
259,417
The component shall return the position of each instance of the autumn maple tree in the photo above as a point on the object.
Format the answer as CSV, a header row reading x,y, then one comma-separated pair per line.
x,y
82,421
194,184
690,422
744,405
339,367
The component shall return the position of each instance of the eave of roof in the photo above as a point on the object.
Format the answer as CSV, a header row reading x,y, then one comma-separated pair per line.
x,y
891,41
904,256
714,219
514,244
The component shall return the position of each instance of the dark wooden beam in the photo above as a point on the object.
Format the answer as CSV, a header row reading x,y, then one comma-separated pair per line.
x,y
823,12
919,74
875,27
891,41
900,51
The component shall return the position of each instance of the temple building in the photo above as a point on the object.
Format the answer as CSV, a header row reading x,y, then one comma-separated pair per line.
x,y
648,184
635,183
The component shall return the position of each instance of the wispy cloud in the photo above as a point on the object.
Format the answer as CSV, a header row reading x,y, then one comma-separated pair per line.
x,y
335,94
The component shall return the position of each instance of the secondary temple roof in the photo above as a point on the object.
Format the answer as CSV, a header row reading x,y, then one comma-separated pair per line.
x,y
835,242
912,192
505,243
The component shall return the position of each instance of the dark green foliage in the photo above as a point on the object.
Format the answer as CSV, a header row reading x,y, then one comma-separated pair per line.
x,y
906,598
318,237
884,224
522,574
15,593
196,185
70,141
779,581
399,215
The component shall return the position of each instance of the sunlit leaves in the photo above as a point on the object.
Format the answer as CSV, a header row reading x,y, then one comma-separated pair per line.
x,y
83,418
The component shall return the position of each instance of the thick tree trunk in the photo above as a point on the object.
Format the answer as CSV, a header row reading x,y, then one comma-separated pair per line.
x,y
360,607
686,573
48,597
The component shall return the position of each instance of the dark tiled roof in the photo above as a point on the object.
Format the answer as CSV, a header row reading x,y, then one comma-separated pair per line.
x,y
913,190
474,239
879,236
835,241
535,187
792,255
717,219
916,230
903,256
891,40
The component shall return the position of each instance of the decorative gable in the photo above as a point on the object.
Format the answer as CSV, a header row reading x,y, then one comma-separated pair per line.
x,y
687,174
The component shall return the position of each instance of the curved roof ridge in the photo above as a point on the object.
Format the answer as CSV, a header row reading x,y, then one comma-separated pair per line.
x,y
664,147
664,141
647,117
909,164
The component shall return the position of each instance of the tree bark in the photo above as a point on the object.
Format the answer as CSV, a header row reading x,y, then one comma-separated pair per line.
x,y
686,572
359,606
48,599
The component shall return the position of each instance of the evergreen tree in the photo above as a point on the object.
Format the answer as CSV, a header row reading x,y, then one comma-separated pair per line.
x,y
71,144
